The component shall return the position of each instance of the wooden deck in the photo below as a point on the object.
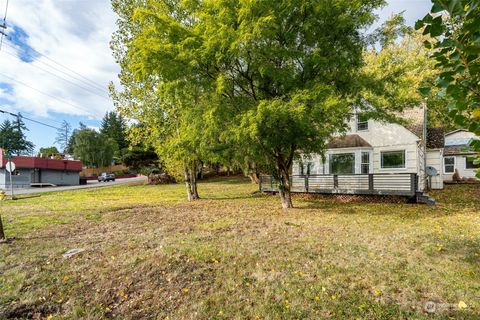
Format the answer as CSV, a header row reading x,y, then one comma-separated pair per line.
x,y
399,184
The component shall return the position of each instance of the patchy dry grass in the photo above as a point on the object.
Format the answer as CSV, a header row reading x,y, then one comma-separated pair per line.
x,y
233,255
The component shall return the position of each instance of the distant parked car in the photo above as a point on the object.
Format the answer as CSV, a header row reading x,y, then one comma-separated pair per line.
x,y
105,177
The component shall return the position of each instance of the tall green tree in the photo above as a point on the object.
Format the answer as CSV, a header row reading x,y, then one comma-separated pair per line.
x,y
286,71
170,109
94,148
64,134
455,28
114,126
71,139
47,152
139,159
13,139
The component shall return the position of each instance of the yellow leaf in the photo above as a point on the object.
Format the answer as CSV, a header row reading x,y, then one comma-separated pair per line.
x,y
462,305
186,290
377,292
333,297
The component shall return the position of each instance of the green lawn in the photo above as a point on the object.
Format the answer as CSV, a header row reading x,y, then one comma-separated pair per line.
x,y
233,255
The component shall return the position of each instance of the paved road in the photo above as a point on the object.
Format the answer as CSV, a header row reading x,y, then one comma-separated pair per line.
x,y
90,184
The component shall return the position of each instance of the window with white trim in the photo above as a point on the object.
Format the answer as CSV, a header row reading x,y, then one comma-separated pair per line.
x,y
342,163
449,164
393,159
365,164
362,122
470,163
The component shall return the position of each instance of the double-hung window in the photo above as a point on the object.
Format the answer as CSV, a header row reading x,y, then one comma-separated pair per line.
x,y
365,164
362,122
449,164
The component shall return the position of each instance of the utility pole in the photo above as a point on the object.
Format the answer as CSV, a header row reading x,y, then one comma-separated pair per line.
x,y
11,180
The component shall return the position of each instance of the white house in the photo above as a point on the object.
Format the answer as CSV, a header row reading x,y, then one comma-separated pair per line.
x,y
458,155
392,154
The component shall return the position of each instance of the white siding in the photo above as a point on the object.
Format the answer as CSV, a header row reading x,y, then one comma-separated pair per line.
x,y
451,138
382,137
434,159
460,162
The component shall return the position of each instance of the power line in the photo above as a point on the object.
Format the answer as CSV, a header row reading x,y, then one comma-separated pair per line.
x,y
93,83
32,120
60,77
59,70
49,95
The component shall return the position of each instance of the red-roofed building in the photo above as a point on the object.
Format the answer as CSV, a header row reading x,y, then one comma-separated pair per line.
x,y
36,171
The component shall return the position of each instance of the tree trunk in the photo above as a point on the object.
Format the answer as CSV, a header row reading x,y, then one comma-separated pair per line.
x,y
283,165
191,183
2,234
284,190
252,172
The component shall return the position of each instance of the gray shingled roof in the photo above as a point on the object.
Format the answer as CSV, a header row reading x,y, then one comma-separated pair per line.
x,y
457,150
348,141
435,138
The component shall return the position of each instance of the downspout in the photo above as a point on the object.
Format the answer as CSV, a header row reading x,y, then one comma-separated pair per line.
x,y
425,123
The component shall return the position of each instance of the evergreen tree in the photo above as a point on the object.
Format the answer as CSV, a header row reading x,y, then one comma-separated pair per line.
x,y
114,126
13,139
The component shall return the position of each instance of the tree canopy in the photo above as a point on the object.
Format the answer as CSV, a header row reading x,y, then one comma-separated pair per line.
x,y
48,151
13,139
94,148
258,82
455,29
114,126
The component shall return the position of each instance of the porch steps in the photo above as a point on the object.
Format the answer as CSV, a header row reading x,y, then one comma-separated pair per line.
x,y
426,199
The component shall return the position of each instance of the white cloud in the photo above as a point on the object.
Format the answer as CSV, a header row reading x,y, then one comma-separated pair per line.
x,y
75,34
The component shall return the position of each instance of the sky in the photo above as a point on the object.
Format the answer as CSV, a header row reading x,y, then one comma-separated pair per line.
x,y
56,63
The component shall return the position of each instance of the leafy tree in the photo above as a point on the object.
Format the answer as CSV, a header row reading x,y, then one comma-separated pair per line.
x,y
286,71
397,73
114,126
93,148
170,112
13,139
455,28
63,135
140,159
71,139
46,152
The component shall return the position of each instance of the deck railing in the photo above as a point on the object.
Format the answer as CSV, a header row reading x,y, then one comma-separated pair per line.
x,y
402,184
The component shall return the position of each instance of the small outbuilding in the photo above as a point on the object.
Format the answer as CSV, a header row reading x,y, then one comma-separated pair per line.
x,y
459,155
35,171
